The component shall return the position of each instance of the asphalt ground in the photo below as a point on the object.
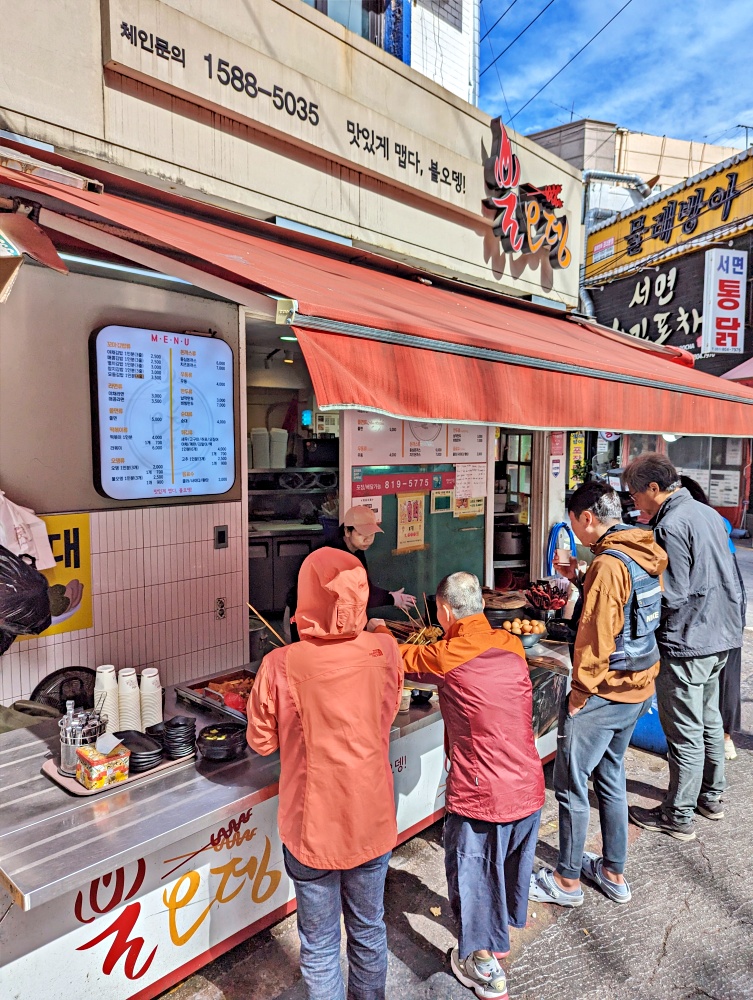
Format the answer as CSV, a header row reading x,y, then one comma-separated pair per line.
x,y
687,933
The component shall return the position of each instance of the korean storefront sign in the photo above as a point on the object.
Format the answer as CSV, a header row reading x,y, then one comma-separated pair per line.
x,y
70,579
724,284
527,217
703,205
664,305
385,441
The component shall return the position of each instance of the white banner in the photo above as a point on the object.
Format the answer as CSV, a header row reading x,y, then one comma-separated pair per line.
x,y
724,301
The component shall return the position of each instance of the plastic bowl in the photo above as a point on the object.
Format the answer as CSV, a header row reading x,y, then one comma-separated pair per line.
x,y
531,639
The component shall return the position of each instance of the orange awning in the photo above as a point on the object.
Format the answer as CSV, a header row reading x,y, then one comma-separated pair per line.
x,y
378,341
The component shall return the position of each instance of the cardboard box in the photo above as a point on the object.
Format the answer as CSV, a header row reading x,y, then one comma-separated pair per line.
x,y
98,770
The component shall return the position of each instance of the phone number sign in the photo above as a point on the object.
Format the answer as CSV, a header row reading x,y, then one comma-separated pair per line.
x,y
413,482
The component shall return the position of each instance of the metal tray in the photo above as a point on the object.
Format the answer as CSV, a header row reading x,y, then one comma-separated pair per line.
x,y
199,694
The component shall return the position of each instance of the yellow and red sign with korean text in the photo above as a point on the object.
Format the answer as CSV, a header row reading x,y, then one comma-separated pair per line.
x,y
720,200
70,579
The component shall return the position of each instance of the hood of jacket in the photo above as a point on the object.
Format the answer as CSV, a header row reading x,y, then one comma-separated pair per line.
x,y
638,543
333,590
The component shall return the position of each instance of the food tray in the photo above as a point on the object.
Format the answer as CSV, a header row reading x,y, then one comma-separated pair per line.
x,y
50,768
199,694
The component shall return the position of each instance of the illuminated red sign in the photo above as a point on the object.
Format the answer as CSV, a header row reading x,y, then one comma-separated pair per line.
x,y
525,219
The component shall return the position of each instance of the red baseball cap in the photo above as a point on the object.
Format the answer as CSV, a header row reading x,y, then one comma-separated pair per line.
x,y
363,519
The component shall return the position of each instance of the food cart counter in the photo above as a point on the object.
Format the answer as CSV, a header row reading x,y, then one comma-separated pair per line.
x,y
121,894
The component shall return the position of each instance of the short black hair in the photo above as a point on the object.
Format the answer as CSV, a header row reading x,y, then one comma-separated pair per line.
x,y
603,502
695,489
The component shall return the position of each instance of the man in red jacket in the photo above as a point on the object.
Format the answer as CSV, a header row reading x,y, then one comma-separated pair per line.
x,y
495,787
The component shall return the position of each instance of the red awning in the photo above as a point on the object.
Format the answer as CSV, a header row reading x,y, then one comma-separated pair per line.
x,y
379,341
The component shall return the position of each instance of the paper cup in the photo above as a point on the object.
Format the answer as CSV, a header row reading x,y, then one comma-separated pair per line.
x,y
405,700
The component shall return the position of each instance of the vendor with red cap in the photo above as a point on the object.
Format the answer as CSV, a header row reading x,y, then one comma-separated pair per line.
x,y
356,535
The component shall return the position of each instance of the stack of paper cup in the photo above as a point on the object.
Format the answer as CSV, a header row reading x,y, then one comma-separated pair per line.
x,y
129,702
106,696
151,697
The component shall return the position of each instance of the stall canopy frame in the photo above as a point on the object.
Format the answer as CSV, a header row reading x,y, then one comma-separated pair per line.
x,y
460,357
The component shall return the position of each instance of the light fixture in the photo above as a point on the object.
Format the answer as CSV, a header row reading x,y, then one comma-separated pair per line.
x,y
294,339
288,357
671,437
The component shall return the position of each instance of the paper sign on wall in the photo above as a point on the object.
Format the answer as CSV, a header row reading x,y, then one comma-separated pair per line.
x,y
442,501
470,480
410,521
468,507
70,580
374,503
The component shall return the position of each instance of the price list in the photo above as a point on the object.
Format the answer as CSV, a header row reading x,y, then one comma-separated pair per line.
x,y
164,414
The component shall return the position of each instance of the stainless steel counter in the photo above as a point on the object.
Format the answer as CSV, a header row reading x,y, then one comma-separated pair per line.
x,y
52,842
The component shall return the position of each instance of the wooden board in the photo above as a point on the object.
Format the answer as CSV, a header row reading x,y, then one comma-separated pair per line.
x,y
50,768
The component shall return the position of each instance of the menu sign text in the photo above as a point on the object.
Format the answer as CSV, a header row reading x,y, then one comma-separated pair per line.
x,y
164,414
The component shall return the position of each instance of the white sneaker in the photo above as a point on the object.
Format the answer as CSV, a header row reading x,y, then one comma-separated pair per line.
x,y
730,753
489,986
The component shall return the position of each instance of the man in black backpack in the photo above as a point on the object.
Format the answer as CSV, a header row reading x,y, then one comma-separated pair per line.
x,y
701,621
615,663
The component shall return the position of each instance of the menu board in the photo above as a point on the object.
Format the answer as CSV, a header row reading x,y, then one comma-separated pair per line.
x,y
163,414
379,440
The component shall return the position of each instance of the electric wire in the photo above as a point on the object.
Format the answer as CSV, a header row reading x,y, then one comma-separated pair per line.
x,y
519,35
499,78
572,59
490,30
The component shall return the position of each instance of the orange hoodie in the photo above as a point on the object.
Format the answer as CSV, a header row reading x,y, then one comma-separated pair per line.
x,y
605,591
328,703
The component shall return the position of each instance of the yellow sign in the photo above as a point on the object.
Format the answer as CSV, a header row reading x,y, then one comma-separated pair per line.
x,y
577,454
410,521
704,205
70,580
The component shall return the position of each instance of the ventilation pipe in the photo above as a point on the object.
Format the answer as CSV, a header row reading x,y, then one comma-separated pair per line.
x,y
630,180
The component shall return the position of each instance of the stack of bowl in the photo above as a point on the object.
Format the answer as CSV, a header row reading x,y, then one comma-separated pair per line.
x,y
180,736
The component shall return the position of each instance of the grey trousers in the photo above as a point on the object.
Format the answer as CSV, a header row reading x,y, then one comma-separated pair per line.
x,y
687,692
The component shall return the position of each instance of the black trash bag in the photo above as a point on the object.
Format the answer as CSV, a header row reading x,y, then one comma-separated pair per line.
x,y
24,598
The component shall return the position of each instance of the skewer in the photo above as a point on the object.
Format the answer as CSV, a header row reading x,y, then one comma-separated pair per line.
x,y
426,605
264,620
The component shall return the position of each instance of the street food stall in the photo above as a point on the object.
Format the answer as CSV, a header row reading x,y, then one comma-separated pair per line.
x,y
121,893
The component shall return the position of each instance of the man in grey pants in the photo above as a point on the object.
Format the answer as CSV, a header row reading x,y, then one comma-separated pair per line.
x,y
701,620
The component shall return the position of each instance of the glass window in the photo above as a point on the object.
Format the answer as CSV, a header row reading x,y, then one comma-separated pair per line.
x,y
640,443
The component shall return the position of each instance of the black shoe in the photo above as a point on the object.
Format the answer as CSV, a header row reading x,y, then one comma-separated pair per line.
x,y
658,822
711,810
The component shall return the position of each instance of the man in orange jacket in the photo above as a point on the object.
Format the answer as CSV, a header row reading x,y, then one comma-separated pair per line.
x,y
615,664
328,703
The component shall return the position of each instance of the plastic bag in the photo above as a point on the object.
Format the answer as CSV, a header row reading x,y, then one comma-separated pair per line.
x,y
24,533
24,598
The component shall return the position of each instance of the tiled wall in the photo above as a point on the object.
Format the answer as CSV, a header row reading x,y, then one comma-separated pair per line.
x,y
155,578
442,52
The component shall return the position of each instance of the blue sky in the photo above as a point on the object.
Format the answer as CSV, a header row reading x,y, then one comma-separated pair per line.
x,y
680,68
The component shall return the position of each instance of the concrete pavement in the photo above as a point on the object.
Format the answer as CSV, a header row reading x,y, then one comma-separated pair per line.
x,y
686,935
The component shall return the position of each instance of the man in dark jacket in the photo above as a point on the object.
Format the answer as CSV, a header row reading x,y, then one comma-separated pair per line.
x,y
495,787
701,620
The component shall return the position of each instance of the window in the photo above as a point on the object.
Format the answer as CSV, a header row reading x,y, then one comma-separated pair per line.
x,y
363,17
515,470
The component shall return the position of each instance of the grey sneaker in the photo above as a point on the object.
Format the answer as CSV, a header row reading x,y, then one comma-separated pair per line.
x,y
658,822
712,809
543,889
489,986
592,868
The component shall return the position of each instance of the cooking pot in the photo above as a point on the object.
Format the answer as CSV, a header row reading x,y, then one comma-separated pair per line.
x,y
510,539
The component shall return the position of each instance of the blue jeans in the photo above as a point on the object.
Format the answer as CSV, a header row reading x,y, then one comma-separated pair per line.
x,y
593,742
488,868
687,692
322,895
